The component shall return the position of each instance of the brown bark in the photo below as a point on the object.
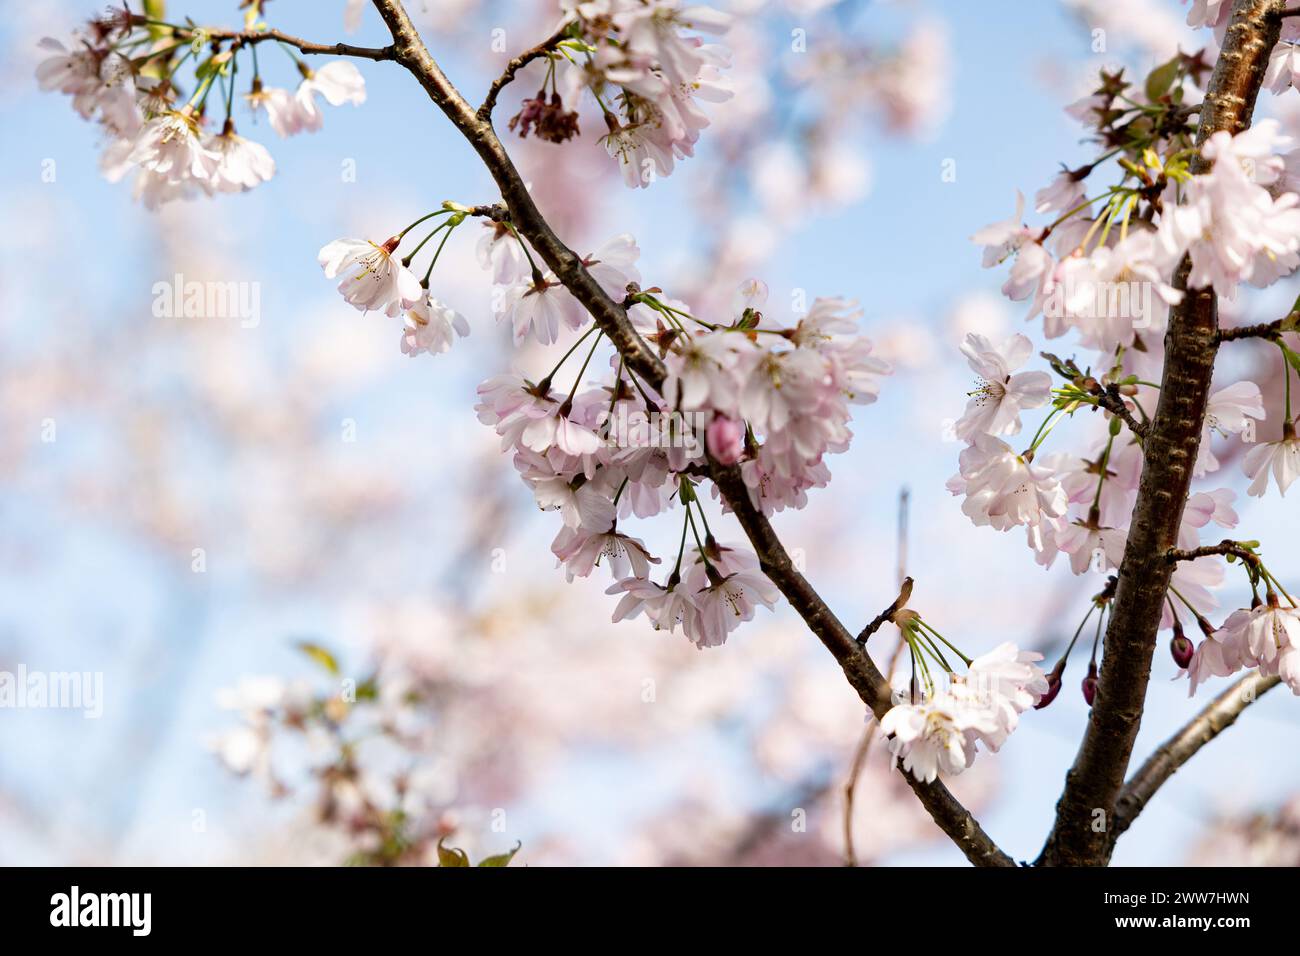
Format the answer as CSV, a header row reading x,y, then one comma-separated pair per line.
x,y
1081,836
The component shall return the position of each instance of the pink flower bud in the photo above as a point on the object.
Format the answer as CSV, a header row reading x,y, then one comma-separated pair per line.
x,y
726,440
1090,684
1053,686
1182,649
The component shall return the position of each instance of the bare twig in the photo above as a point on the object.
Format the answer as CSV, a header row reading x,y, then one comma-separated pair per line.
x,y
514,66
1218,715
240,38
1264,330
1169,451
900,602
870,733
612,319
1109,398
1223,548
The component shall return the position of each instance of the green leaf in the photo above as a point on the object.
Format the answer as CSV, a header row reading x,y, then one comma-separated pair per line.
x,y
320,655
1162,78
450,856
501,859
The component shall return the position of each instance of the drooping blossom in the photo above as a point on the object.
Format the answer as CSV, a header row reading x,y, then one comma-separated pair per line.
x,y
431,327
1281,459
373,279
1227,413
241,163
1005,490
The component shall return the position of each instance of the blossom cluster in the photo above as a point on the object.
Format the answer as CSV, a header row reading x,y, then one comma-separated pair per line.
x,y
648,70
1266,636
1107,268
772,400
121,72
939,731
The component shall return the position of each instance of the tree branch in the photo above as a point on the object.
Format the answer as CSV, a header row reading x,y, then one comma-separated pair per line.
x,y
1264,330
900,602
1109,398
610,317
1223,548
252,37
1218,715
514,66
1169,451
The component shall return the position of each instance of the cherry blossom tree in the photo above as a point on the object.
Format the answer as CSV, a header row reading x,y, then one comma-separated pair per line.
x,y
702,407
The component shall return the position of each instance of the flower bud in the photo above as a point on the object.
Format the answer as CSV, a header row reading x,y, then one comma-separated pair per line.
x,y
1182,650
1090,684
726,440
1053,686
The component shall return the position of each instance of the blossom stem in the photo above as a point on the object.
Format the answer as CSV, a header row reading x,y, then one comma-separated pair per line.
x,y
1077,209
437,212
695,531
452,223
1268,575
1096,640
640,388
582,371
1101,467
1180,597
230,85
965,660
572,348
1044,430
201,93
1077,631
619,494
933,649
681,548
1286,379
537,273
406,259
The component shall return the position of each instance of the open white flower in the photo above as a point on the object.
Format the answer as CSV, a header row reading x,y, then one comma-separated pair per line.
x,y
1280,458
241,164
1006,682
540,308
1269,630
580,550
372,278
338,82
169,147
1226,413
728,601
996,404
431,327
1004,490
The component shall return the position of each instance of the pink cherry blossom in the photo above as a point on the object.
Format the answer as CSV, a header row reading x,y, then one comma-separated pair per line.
x,y
996,404
372,279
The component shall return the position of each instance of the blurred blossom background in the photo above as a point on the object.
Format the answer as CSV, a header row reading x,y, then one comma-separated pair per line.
x,y
233,520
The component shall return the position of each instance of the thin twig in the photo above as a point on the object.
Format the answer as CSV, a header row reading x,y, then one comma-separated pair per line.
x,y
1264,330
900,602
1109,398
870,733
1224,547
514,66
240,38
